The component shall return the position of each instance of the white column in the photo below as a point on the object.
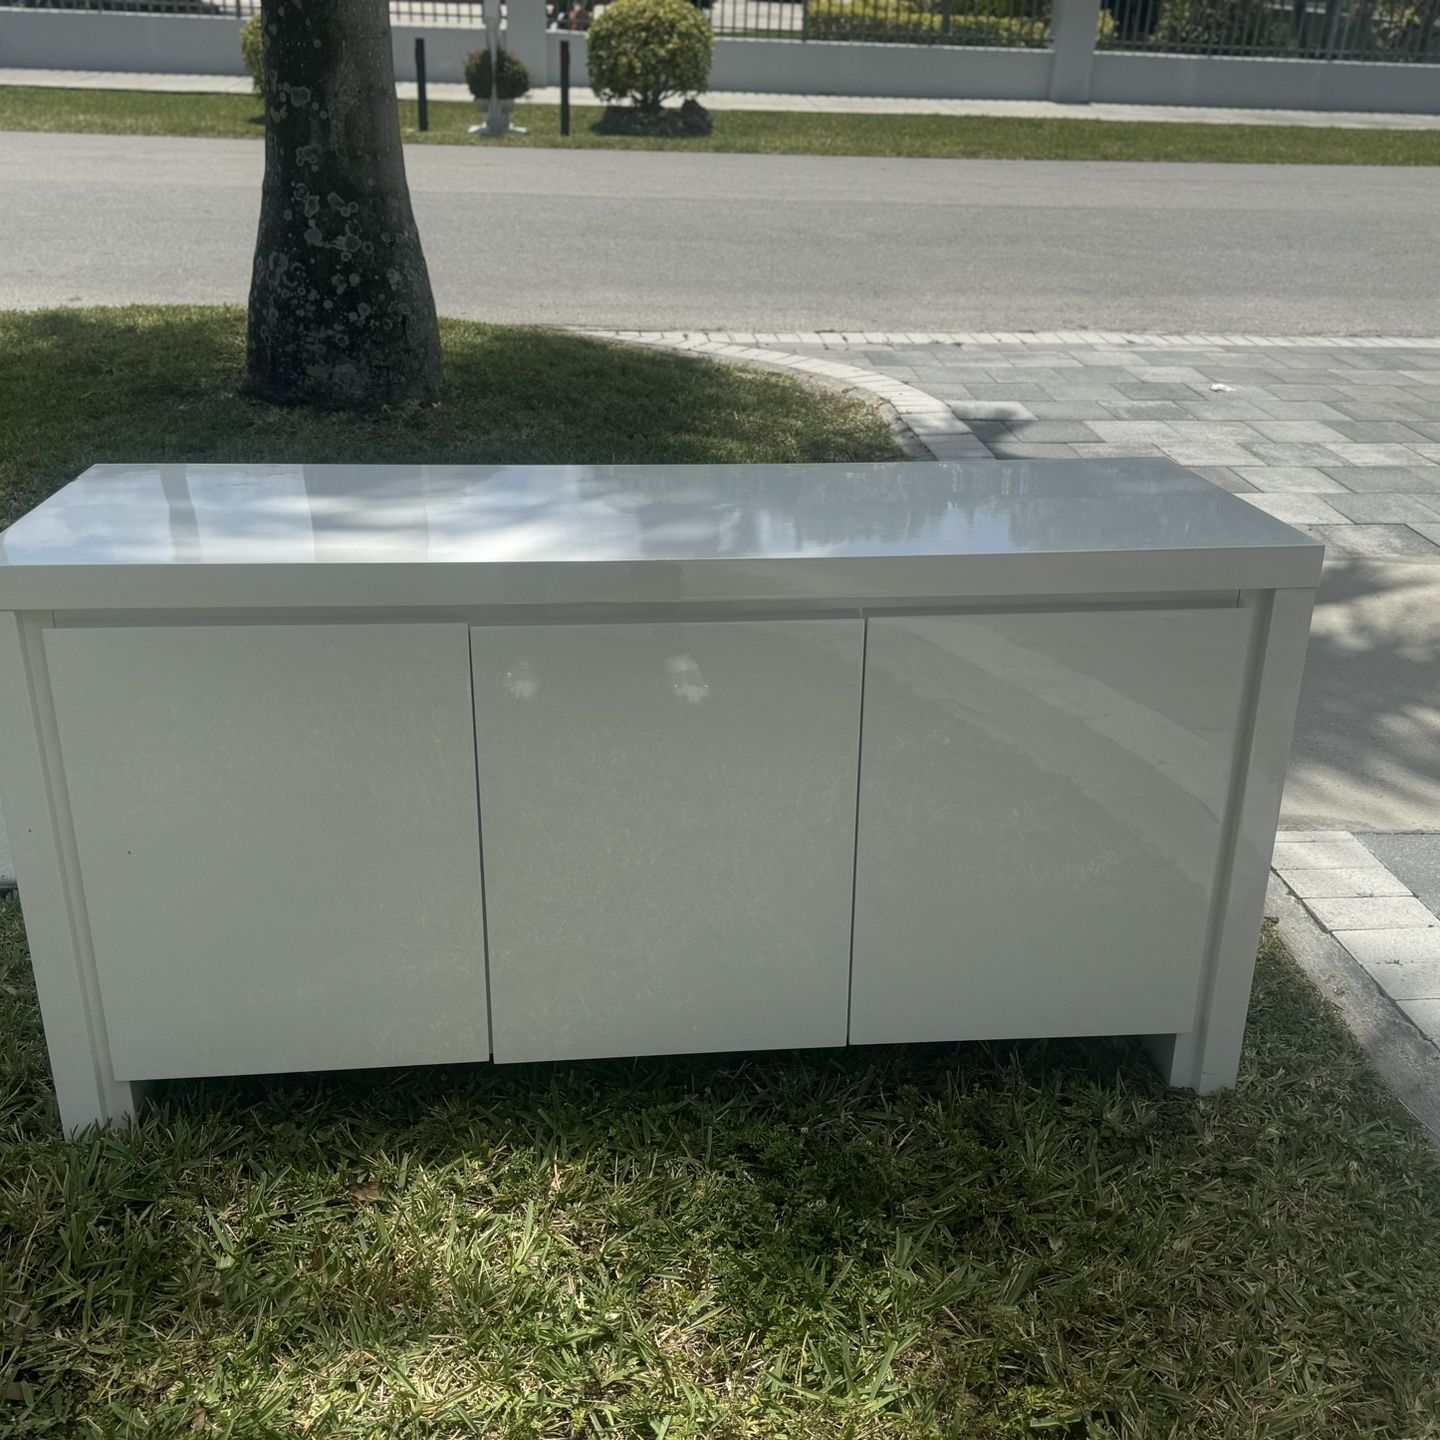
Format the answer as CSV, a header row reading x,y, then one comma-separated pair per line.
x,y
525,38
1072,34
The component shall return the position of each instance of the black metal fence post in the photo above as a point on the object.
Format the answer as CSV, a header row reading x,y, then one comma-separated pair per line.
x,y
565,86
420,81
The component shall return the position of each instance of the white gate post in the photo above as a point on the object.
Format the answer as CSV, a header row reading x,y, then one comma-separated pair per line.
x,y
525,38
1072,36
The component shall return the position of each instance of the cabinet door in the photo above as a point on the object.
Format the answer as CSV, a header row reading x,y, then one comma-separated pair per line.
x,y
668,814
1041,799
279,843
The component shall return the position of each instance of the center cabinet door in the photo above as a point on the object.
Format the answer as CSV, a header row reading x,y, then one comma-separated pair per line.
x,y
668,817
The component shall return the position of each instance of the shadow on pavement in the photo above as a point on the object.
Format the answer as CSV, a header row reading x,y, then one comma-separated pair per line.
x,y
1367,740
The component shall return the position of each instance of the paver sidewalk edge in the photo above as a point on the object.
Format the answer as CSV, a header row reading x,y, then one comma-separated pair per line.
x,y
1408,1062
1041,339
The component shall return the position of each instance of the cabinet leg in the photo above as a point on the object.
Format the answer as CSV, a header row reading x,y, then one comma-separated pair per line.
x,y
84,1100
1179,1060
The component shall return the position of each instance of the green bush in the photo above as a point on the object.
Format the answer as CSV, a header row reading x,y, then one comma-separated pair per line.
x,y
252,50
919,25
1406,30
924,22
514,77
1219,27
647,50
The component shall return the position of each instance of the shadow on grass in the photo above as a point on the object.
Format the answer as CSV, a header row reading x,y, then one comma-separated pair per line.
x,y
143,384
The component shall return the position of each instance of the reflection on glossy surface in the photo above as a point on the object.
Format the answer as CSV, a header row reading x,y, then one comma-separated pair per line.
x,y
668,818
1041,799
300,514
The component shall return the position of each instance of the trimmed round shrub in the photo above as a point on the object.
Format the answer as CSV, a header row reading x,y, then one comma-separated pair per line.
x,y
645,51
514,77
252,51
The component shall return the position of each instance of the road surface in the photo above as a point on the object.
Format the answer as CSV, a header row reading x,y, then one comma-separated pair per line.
x,y
663,240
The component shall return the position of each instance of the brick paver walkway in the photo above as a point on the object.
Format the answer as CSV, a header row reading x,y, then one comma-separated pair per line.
x,y
1339,437
1351,893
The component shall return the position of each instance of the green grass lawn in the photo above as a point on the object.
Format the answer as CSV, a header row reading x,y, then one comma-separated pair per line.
x,y
763,132
1032,1239
161,383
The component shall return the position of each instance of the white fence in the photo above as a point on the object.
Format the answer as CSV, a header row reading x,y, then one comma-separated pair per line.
x,y
1071,69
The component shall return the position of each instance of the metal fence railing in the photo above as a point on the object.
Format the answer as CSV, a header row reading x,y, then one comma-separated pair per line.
x,y
1386,30
402,12
758,19
142,7
910,22
1397,31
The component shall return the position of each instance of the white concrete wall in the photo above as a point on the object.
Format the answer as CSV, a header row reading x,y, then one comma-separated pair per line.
x,y
1134,79
822,67
155,44
180,44
445,51
189,44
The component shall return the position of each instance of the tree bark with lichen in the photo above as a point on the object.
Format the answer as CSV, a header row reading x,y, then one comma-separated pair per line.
x,y
341,313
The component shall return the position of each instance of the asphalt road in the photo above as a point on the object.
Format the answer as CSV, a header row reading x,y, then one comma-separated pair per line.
x,y
667,241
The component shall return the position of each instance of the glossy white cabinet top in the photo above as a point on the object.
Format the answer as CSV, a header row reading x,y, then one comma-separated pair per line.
x,y
524,535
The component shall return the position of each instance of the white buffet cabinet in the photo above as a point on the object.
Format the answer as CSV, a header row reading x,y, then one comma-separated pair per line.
x,y
316,767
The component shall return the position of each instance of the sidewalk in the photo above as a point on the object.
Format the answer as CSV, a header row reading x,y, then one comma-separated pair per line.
x,y
1392,932
804,104
1359,912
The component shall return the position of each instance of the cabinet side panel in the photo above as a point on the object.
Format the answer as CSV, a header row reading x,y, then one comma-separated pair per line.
x,y
668,814
278,835
1207,1058
1040,811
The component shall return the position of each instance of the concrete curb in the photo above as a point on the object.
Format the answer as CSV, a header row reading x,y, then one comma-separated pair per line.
x,y
1408,1062
836,339
926,427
